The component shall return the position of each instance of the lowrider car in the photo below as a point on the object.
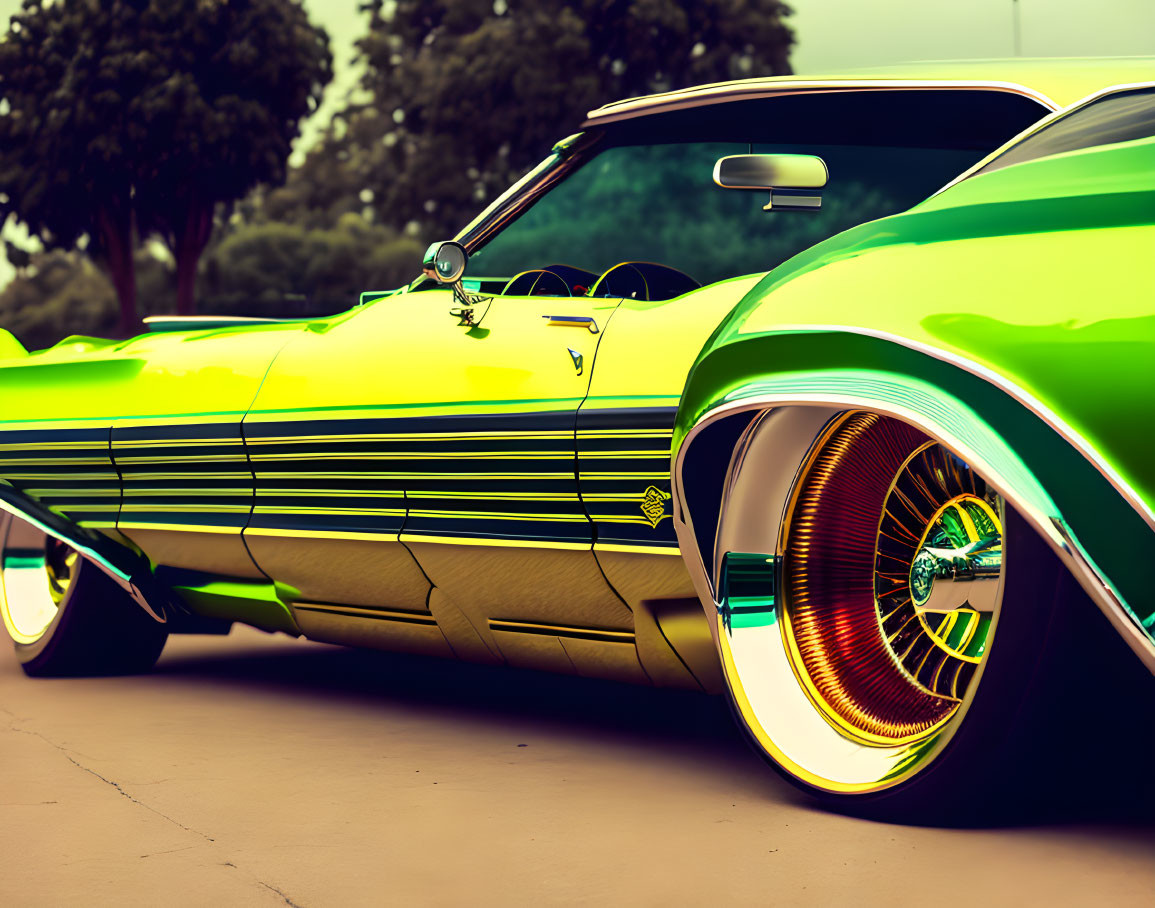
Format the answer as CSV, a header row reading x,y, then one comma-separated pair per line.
x,y
829,394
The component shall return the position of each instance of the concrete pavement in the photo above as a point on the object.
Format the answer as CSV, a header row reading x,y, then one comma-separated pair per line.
x,y
259,770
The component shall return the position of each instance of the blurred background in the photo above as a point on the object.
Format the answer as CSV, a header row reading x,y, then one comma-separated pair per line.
x,y
277,157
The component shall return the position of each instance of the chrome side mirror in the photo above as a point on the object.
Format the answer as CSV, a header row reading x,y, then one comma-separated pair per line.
x,y
445,262
787,177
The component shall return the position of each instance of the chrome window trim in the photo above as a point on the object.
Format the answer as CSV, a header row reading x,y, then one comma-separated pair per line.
x,y
765,88
1047,121
1022,396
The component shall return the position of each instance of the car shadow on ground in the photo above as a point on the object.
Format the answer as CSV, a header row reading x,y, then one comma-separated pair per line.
x,y
680,725
690,723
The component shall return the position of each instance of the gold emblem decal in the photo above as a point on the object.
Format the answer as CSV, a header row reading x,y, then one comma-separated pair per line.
x,y
654,505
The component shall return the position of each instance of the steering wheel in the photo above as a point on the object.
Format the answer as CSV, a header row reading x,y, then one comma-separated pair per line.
x,y
643,281
552,280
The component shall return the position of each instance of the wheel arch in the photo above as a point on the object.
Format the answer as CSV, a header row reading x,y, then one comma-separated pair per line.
x,y
1040,466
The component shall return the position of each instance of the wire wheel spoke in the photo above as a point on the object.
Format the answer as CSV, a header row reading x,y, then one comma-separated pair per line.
x,y
893,563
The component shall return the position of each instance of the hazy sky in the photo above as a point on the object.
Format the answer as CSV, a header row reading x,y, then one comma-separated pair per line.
x,y
838,33
835,34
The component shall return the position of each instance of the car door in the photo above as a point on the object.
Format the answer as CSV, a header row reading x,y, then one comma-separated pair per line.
x,y
416,483
177,450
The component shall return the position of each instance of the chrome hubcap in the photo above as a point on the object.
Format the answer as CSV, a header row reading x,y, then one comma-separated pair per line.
x,y
937,571
954,575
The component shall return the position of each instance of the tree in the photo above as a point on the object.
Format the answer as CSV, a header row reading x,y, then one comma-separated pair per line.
x,y
126,117
468,94
63,293
18,258
279,269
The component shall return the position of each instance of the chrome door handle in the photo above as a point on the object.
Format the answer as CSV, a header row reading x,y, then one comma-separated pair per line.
x,y
573,321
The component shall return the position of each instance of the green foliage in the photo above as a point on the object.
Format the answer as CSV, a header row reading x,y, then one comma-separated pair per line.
x,y
659,203
465,98
277,270
63,293
149,112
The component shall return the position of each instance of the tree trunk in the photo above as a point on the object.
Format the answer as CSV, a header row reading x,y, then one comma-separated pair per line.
x,y
115,225
188,243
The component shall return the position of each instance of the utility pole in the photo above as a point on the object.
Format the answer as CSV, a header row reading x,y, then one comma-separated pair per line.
x,y
1018,27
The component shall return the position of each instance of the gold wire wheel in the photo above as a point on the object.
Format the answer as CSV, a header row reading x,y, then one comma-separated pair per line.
x,y
892,574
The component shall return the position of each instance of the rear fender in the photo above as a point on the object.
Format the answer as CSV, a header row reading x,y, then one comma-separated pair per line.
x,y
1038,470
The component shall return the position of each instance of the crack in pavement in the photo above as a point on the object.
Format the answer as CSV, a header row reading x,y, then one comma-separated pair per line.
x,y
153,854
288,901
120,790
114,784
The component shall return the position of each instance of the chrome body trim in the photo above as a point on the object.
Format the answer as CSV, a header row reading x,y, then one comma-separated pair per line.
x,y
745,89
1023,397
162,323
1046,121
123,566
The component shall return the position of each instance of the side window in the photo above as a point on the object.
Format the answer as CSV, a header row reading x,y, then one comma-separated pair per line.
x,y
1120,117
658,203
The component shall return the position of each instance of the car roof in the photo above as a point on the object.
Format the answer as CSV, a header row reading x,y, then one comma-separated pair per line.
x,y
1054,82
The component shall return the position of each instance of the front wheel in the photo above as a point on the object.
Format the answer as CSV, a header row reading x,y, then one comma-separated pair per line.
x,y
66,617
892,649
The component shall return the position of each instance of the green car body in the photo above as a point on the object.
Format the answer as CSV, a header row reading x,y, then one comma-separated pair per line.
x,y
987,292
591,481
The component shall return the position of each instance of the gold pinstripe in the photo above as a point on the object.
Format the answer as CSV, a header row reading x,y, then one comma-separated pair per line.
x,y
129,506
417,455
500,543
270,510
497,496
431,474
176,527
54,445
322,534
624,455
326,493
41,476
637,549
237,457
56,461
499,515
138,493
408,436
142,476
123,445
73,492
621,518
131,456
587,474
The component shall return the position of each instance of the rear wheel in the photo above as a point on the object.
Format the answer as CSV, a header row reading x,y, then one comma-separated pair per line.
x,y
910,641
66,617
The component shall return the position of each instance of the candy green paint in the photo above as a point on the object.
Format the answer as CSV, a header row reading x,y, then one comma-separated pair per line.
x,y
253,603
1039,277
